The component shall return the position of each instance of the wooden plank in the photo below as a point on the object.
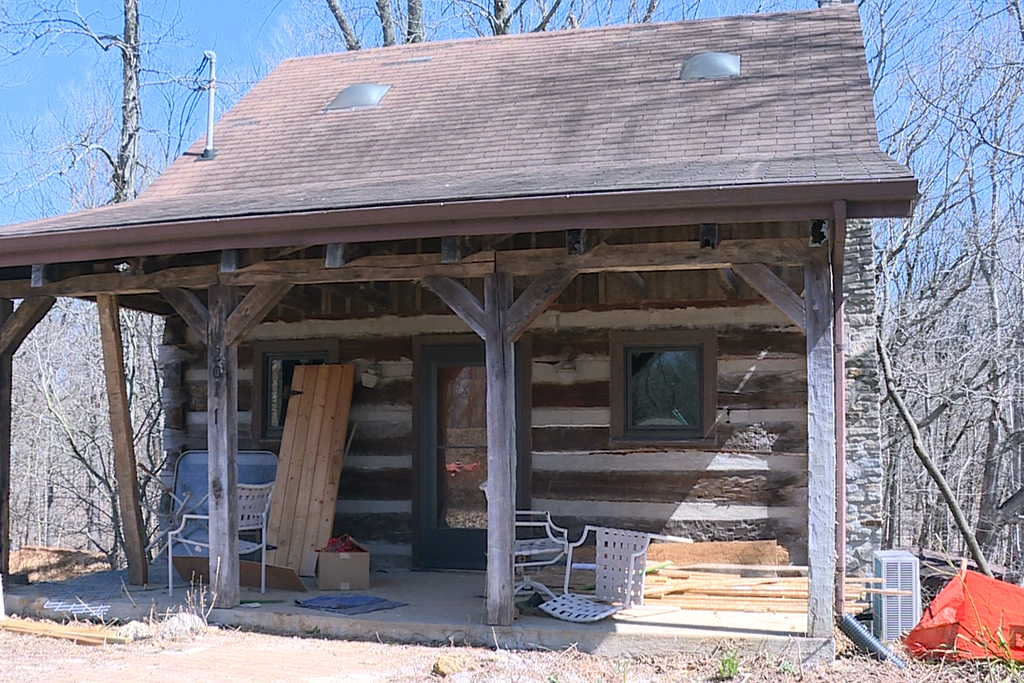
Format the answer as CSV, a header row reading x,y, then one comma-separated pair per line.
x,y
501,447
125,467
222,443
198,277
365,269
194,569
24,319
663,256
821,451
462,302
289,465
736,552
83,635
309,468
6,370
604,257
251,311
319,492
306,490
771,287
335,456
537,296
190,309
275,518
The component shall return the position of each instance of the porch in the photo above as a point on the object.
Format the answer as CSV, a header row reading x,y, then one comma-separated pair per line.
x,y
440,608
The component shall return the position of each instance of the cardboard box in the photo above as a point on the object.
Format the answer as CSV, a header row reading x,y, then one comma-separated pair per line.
x,y
343,571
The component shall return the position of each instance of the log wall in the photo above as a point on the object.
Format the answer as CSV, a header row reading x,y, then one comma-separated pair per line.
x,y
748,481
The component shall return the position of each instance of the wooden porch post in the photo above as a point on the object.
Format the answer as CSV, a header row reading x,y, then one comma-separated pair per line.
x,y
821,447
125,467
6,367
500,322
222,440
15,325
501,447
221,326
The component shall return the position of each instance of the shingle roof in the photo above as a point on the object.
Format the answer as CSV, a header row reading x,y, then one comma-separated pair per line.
x,y
547,114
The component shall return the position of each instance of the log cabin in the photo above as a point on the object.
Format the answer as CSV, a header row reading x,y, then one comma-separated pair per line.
x,y
597,272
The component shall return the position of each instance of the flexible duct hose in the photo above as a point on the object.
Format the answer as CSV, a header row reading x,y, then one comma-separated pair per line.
x,y
867,642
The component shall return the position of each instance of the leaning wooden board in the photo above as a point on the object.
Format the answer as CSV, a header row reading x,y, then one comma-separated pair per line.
x,y
309,465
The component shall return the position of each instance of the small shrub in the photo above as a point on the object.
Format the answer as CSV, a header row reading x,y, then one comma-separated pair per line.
x,y
728,666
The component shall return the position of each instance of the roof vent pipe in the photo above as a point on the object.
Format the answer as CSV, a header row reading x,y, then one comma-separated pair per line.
x,y
211,91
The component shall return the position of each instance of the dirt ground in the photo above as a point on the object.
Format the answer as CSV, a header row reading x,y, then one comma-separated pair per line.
x,y
228,656
236,656
36,563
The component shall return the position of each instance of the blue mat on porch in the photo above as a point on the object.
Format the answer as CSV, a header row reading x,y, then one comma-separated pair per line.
x,y
349,604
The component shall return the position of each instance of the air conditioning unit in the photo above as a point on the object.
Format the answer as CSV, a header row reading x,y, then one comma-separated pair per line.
x,y
894,615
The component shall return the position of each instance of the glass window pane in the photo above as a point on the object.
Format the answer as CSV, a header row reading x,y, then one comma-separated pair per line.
x,y
664,389
277,377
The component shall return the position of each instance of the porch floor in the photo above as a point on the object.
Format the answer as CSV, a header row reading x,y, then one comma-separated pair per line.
x,y
442,608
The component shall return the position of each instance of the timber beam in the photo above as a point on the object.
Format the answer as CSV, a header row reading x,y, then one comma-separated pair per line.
x,y
190,308
222,326
15,325
125,464
821,448
499,321
24,319
772,287
661,256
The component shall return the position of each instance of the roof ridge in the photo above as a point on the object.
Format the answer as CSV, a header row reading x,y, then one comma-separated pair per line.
x,y
562,33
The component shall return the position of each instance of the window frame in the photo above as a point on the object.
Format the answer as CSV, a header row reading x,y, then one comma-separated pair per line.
x,y
297,349
621,343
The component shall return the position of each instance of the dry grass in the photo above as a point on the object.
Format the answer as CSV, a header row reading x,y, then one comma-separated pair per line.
x,y
37,563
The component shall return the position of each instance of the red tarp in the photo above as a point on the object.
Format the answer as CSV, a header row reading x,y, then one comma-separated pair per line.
x,y
973,617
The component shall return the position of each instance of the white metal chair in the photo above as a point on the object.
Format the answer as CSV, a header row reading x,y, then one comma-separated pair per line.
x,y
620,565
532,549
188,491
253,513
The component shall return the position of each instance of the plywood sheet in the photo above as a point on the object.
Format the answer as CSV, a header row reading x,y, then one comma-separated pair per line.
x,y
309,465
197,568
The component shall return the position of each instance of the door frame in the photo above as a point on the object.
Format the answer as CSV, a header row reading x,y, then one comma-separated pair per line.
x,y
422,436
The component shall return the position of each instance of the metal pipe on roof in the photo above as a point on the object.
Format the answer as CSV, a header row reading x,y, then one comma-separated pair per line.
x,y
211,91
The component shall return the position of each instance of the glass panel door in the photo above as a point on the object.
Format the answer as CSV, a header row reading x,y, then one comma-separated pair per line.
x,y
462,446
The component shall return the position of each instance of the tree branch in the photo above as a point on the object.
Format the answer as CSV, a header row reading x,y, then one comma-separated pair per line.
x,y
926,460
351,41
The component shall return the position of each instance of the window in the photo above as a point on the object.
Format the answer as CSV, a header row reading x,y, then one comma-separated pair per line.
x,y
274,366
663,386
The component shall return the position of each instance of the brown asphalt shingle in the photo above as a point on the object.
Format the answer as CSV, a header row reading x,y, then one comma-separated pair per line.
x,y
541,114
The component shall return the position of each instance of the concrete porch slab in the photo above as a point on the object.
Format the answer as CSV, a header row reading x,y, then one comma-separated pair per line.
x,y
445,608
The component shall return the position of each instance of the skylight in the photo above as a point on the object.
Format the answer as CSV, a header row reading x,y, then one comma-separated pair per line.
x,y
710,65
359,96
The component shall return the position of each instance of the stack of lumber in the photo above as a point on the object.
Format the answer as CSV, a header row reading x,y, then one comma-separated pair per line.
x,y
81,634
703,590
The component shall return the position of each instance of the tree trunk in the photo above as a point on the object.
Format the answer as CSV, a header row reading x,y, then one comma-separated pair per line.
x,y
125,175
414,32
387,22
351,41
